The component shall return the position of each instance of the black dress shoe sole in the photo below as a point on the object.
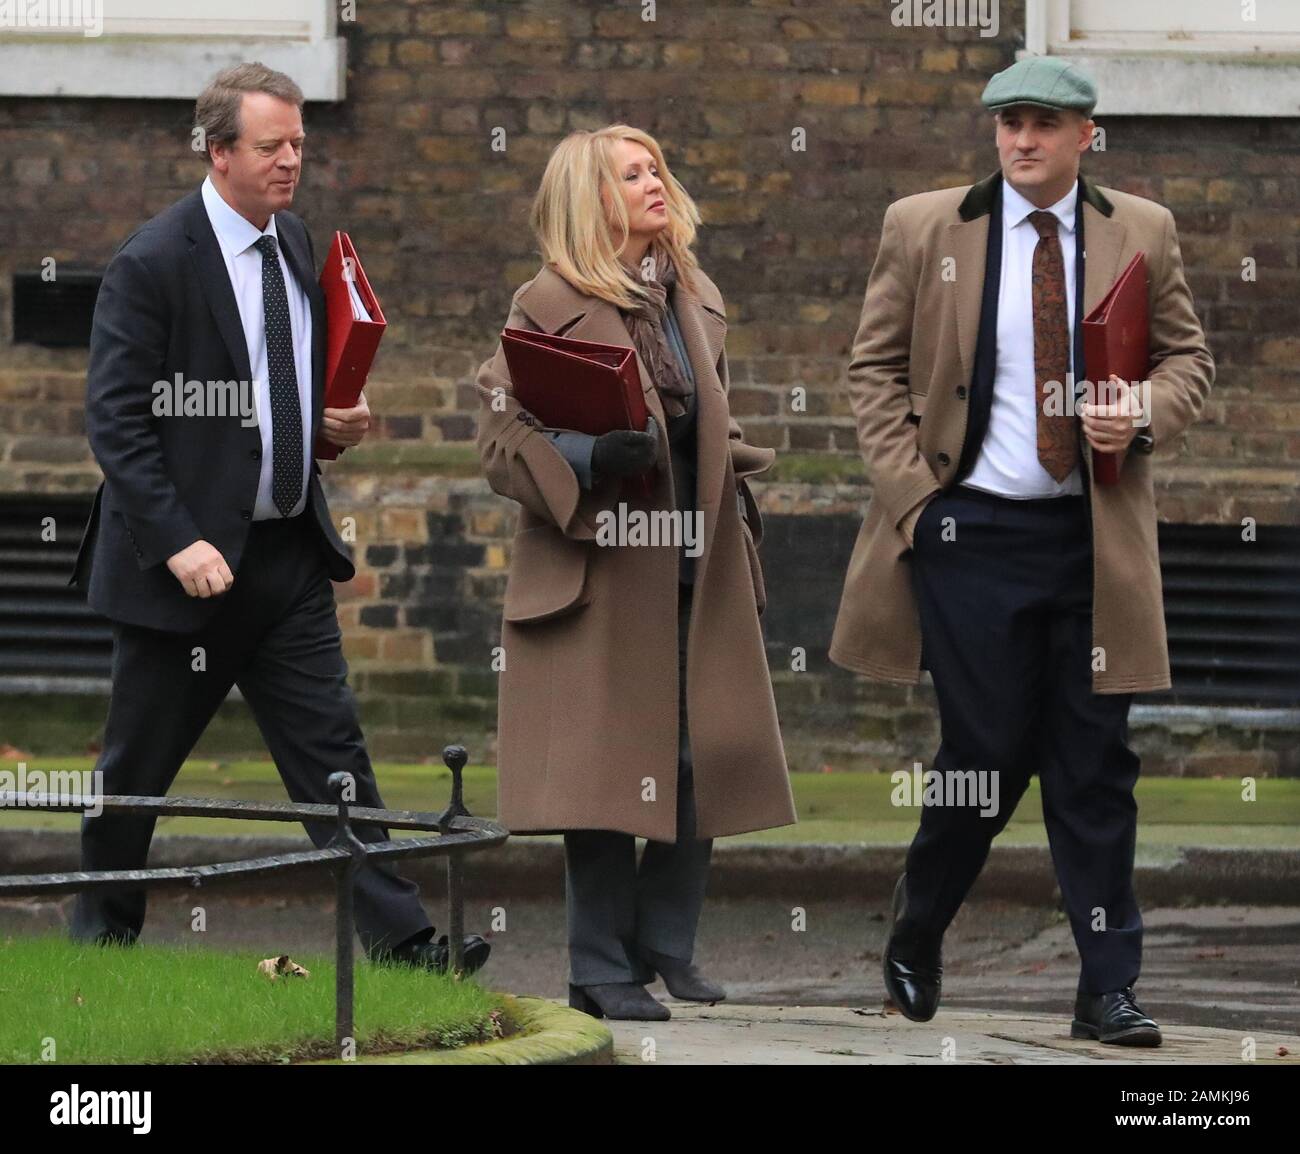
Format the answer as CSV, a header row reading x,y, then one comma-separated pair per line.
x,y
1137,1036
476,957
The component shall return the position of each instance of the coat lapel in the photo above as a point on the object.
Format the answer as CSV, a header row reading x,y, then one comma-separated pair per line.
x,y
1103,239
215,283
712,447
967,245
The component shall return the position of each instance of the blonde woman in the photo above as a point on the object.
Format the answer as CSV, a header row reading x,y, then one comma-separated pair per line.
x,y
611,644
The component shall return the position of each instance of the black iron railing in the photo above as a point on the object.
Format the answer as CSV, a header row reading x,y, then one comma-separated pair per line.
x,y
456,833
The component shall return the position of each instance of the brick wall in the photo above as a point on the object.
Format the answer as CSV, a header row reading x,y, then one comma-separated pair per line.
x,y
406,164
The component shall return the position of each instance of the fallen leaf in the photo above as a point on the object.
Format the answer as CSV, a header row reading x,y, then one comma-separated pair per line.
x,y
283,966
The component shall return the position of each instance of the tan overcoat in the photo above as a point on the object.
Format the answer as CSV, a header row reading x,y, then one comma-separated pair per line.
x,y
909,379
588,697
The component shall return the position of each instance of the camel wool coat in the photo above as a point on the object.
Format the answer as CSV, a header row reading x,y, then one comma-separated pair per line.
x,y
588,696
913,359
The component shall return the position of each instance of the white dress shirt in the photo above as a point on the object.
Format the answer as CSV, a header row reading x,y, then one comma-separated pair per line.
x,y
236,235
1008,463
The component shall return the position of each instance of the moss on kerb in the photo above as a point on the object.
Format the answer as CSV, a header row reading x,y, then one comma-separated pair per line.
x,y
548,1035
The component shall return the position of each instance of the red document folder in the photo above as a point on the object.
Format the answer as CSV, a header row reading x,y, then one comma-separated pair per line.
x,y
350,344
1116,339
585,386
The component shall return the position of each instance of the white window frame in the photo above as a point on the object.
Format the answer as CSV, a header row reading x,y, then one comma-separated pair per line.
x,y
166,65
1205,76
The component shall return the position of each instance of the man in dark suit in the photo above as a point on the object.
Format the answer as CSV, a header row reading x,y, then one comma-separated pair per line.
x,y
210,545
990,554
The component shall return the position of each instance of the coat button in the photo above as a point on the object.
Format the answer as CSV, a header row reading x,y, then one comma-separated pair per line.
x,y
961,392
521,415
943,458
246,514
256,454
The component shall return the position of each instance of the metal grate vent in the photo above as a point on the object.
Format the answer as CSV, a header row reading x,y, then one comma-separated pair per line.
x,y
46,628
55,313
1232,609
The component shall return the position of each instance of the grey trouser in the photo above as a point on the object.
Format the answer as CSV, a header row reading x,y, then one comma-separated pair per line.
x,y
616,907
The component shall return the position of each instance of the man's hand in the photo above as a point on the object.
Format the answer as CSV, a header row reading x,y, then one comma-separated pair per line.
x,y
345,427
201,570
1111,428
907,526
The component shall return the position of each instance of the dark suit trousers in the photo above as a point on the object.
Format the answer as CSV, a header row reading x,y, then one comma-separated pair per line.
x,y
1006,626
277,637
616,906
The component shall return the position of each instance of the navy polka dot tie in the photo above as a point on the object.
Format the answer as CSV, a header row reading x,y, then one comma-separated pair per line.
x,y
286,413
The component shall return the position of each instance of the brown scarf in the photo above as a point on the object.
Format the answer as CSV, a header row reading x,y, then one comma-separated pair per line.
x,y
645,322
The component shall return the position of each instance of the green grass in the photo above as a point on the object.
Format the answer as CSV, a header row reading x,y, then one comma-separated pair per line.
x,y
815,468
190,1004
833,808
459,459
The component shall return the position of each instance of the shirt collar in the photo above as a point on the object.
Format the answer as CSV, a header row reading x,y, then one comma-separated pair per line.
x,y
235,234
1016,209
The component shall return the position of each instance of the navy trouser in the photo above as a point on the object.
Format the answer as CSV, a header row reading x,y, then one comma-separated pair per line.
x,y
277,637
1004,589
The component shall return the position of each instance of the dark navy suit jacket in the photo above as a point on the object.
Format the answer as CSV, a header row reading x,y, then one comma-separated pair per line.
x,y
166,306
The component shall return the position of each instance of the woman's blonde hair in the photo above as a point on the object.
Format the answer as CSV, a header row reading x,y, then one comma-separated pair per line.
x,y
575,231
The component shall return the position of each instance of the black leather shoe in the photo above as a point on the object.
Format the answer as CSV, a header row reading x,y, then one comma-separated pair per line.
x,y
622,1001
1115,1018
683,980
914,981
436,956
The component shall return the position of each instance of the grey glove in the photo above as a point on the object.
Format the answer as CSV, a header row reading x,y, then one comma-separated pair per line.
x,y
625,452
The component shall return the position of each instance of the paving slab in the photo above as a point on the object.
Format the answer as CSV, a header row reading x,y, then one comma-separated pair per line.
x,y
840,1036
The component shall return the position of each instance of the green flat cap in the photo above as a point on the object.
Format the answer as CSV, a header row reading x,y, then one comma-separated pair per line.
x,y
1048,81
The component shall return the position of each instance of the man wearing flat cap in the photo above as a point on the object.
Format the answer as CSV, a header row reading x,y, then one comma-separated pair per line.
x,y
989,554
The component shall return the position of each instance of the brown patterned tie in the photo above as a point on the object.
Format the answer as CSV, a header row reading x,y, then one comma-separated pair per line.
x,y
1058,432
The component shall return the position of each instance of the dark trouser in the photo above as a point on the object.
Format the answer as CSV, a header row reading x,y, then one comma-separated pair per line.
x,y
1006,625
277,637
614,907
